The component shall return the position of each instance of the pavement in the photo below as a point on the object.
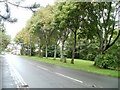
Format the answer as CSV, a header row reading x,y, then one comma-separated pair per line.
x,y
23,72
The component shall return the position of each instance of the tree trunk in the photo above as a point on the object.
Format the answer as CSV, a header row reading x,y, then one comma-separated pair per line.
x,y
62,51
101,43
73,53
29,44
55,52
22,52
101,47
40,55
46,54
30,51
39,52
65,61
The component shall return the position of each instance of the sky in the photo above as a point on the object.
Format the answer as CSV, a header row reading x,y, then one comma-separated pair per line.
x,y
22,15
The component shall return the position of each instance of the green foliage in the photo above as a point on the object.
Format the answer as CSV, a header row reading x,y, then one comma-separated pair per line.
x,y
4,38
107,61
51,51
85,49
111,58
114,50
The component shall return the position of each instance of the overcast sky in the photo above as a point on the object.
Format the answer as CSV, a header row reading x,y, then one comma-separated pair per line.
x,y
22,15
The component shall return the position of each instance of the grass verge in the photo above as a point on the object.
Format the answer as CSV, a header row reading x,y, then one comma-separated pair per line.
x,y
80,64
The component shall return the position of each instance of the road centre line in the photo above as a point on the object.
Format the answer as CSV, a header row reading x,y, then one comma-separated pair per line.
x,y
43,68
69,77
59,74
39,66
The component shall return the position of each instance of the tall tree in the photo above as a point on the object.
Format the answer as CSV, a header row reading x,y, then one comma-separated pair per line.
x,y
4,38
71,15
60,24
6,4
102,22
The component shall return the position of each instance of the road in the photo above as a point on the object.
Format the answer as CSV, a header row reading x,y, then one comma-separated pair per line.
x,y
23,72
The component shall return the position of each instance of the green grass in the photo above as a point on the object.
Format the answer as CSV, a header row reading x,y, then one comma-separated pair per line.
x,y
84,65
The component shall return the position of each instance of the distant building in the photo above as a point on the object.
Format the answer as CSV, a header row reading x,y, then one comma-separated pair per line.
x,y
14,48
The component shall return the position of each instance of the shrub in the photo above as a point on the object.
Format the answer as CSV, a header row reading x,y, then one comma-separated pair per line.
x,y
90,57
107,61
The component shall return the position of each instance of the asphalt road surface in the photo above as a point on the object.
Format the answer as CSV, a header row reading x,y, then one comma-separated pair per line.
x,y
23,72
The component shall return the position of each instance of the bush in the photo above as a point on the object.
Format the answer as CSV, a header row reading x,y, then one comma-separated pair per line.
x,y
90,57
107,61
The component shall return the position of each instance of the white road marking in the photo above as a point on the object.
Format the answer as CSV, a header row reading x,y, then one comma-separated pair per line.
x,y
17,77
69,77
30,63
59,74
39,66
43,68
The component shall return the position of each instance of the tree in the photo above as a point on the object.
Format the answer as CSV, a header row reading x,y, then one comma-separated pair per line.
x,y
39,28
25,39
70,16
47,19
102,19
21,39
55,38
43,25
101,23
60,25
4,39
7,15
